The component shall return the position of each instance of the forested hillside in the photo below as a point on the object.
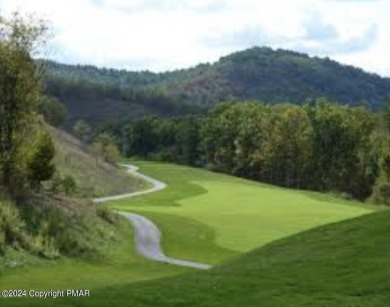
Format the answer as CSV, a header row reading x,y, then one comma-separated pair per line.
x,y
105,95
319,146
102,95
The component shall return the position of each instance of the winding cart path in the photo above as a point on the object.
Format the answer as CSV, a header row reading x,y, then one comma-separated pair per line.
x,y
147,234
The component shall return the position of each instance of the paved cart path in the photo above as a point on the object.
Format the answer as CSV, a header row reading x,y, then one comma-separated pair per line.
x,y
147,234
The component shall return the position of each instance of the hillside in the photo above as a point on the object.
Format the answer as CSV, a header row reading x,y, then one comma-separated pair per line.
x,y
93,176
58,223
101,95
343,264
106,95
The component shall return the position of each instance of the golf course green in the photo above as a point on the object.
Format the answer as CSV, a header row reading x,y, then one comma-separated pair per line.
x,y
203,216
242,214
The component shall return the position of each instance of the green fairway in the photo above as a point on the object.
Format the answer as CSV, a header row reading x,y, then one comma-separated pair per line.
x,y
243,214
203,216
342,264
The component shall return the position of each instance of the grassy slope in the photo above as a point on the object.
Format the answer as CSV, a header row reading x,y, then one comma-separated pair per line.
x,y
241,213
75,159
342,264
116,264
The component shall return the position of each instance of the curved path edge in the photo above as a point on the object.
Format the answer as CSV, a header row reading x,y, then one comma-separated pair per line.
x,y
147,234
133,170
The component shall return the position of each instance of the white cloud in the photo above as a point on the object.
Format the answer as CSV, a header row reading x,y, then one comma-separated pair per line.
x,y
169,34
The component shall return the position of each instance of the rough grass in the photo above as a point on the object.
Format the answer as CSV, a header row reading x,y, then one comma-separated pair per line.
x,y
119,265
52,226
242,214
93,177
341,264
47,227
47,230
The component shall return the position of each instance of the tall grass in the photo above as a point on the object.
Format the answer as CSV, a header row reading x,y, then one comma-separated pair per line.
x,y
92,175
55,227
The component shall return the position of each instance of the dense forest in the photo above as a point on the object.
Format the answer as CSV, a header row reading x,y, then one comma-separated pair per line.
x,y
318,145
100,95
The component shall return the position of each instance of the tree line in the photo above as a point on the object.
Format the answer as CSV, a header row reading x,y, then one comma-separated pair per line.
x,y
319,145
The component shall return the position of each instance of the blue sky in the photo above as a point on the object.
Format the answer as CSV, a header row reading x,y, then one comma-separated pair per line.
x,y
170,34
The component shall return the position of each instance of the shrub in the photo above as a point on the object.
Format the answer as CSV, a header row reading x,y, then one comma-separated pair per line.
x,y
69,185
60,184
106,215
45,246
105,146
381,193
56,183
2,241
40,162
12,227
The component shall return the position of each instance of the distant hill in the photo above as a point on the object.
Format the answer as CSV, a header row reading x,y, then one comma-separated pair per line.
x,y
259,73
104,95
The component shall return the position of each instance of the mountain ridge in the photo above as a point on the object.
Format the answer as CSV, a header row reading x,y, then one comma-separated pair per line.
x,y
258,73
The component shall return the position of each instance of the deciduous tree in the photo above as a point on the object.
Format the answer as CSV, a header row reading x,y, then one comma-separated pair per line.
x,y
19,88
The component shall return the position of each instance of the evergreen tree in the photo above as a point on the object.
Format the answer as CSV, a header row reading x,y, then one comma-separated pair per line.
x,y
40,165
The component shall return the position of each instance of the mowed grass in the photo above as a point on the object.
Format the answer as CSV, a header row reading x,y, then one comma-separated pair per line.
x,y
199,214
189,239
341,264
242,214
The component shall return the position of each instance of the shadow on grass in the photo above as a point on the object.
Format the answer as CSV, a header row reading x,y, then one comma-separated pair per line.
x,y
188,239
